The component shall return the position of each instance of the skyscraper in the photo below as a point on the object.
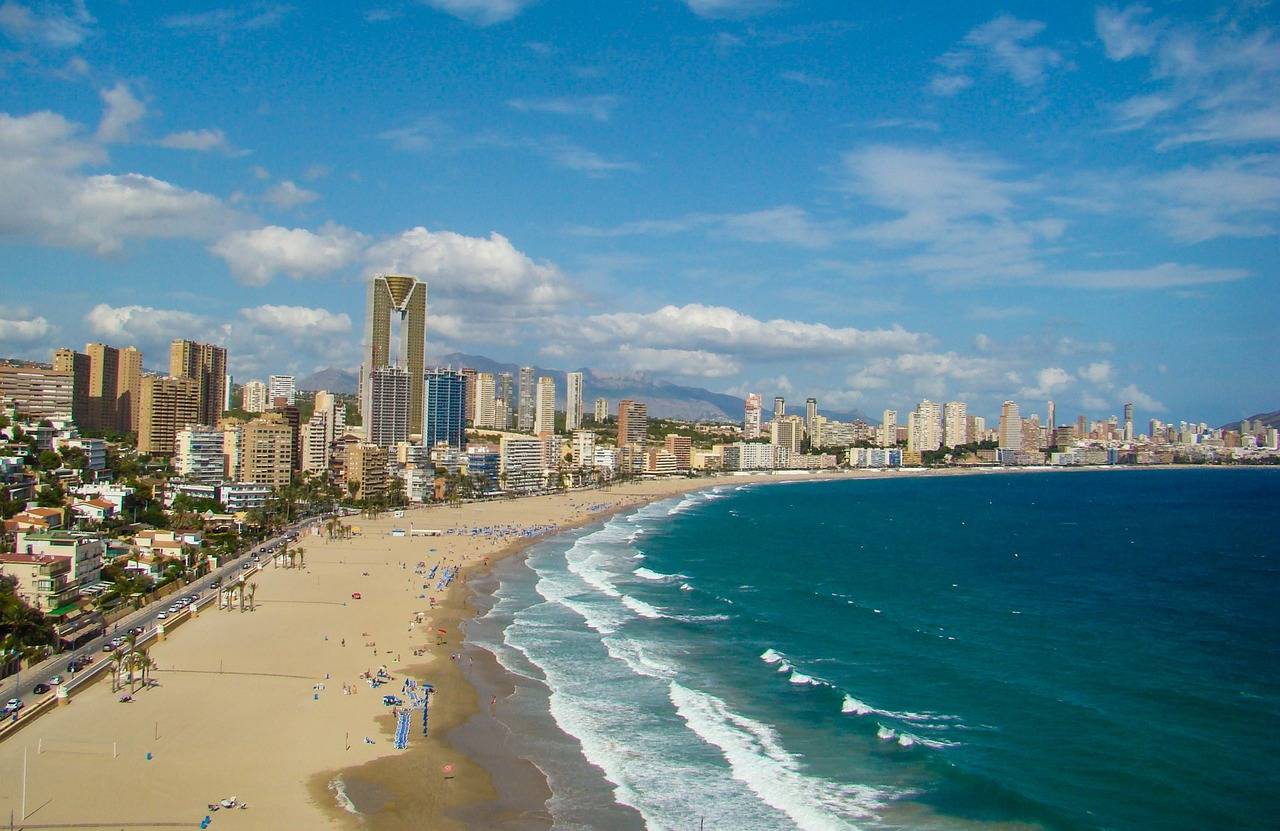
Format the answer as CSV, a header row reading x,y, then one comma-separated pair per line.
x,y
1010,427
129,389
104,383
387,401
254,394
1128,422
206,364
750,417
544,415
395,300
282,386
485,401
524,414
469,392
506,400
167,405
955,420
76,366
573,401
445,410
889,429
779,406
633,422
810,416
1053,418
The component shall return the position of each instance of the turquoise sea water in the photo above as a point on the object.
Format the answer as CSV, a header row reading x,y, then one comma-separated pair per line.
x,y
1057,650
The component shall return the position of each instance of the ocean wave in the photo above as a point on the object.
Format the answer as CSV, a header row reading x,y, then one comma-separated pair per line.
x,y
904,739
758,759
798,677
339,789
771,656
703,618
641,608
685,587
853,706
649,574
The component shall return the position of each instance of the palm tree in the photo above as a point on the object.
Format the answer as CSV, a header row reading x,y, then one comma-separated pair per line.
x,y
253,588
301,553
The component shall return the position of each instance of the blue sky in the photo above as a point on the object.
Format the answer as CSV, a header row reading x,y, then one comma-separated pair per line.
x,y
867,205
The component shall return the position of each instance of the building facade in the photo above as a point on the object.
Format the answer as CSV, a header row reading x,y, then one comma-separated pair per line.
x,y
167,404
266,451
388,405
282,387
544,407
36,392
633,423
403,300
751,417
573,400
445,409
199,456
206,364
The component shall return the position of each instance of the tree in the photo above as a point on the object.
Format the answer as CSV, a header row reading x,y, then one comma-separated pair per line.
x,y
49,460
253,589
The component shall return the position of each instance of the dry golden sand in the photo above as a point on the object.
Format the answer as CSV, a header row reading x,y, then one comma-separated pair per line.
x,y
236,711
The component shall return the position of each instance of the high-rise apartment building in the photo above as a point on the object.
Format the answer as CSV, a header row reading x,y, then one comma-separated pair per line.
x,y
445,409
1010,427
681,447
106,385
955,421
584,448
76,364
602,410
129,390
633,423
254,397
293,417
1052,423
1128,422
810,416
226,396
37,392
387,405
524,414
573,401
232,439
282,388
366,466
544,407
506,400
469,376
167,405
104,382
266,451
395,300
486,407
206,364
779,406
751,417
199,455
889,429
787,431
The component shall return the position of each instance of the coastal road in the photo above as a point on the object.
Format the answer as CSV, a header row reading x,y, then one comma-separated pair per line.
x,y
144,618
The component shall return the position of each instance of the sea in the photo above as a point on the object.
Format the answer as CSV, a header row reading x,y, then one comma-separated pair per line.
x,y
1056,650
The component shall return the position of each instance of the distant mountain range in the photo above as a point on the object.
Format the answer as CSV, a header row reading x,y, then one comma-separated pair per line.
x,y
1271,419
664,399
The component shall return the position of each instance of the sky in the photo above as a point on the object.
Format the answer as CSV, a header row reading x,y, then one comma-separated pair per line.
x,y
870,204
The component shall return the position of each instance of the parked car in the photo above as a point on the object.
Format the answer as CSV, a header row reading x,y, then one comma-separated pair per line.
x,y
40,689
162,616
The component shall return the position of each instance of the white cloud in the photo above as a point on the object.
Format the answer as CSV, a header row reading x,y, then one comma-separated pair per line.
x,y
807,79
598,107
18,327
1140,399
287,195
460,267
423,133
724,330
1165,275
198,140
256,256
297,322
226,20
1123,33
787,224
49,26
45,196
569,155
480,12
1049,381
1099,372
689,363
1004,44
1230,197
122,110
717,9
148,327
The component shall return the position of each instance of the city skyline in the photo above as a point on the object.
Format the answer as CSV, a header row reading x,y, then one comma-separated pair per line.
x,y
856,229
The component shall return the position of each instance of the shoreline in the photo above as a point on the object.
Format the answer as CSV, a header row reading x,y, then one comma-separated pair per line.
x,y
271,725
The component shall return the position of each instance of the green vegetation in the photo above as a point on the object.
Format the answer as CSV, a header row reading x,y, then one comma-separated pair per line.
x,y
23,630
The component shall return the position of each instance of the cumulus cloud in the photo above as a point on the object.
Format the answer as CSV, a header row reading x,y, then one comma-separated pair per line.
x,y
1099,372
297,321
1049,381
20,328
256,256
480,12
1140,399
148,327
47,26
288,194
724,330
489,268
122,110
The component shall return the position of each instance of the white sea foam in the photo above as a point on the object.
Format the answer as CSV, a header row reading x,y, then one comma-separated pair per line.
x,y
771,656
339,789
685,587
853,706
800,678
703,618
758,759
641,608
649,574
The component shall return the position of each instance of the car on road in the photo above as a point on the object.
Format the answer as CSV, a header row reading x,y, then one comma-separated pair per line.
x,y
137,630
215,584
12,706
107,647
245,567
40,689
162,616
55,680
193,597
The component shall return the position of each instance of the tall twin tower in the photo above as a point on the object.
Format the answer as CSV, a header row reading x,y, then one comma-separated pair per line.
x,y
391,400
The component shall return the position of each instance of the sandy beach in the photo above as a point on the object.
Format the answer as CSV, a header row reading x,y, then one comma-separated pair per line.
x,y
252,704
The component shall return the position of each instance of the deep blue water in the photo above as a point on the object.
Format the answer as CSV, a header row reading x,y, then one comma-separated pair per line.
x,y
1057,650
